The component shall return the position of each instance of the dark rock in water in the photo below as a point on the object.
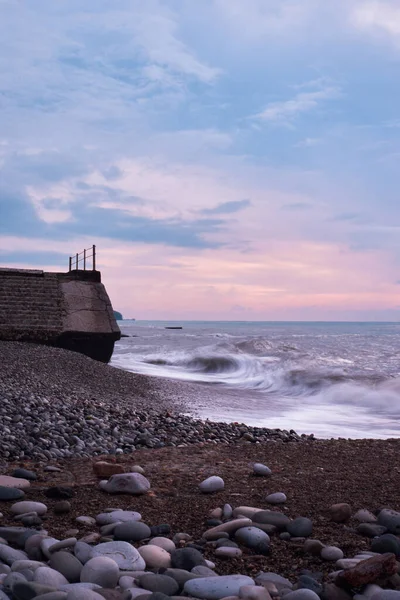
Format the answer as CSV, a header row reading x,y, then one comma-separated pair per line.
x,y
25,474
386,543
160,530
132,531
186,558
59,491
7,493
159,583
371,529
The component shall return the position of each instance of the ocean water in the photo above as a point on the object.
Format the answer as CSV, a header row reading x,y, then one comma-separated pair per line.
x,y
330,379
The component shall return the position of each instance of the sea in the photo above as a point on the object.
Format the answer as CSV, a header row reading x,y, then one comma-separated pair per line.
x,y
336,380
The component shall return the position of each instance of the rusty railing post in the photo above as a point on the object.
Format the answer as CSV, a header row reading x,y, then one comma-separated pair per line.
x,y
70,263
77,261
84,260
94,257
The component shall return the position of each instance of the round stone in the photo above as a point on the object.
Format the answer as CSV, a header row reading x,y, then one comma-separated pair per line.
x,y
365,516
26,506
67,564
313,547
300,527
155,557
302,594
84,520
212,484
101,570
8,555
228,552
25,474
159,583
126,483
261,470
216,588
252,537
386,543
117,516
277,498
390,519
186,558
61,507
132,531
14,482
270,517
9,493
371,529
164,543
124,554
50,577
331,553
340,512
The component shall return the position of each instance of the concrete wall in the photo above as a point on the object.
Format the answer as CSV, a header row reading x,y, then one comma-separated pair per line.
x,y
70,310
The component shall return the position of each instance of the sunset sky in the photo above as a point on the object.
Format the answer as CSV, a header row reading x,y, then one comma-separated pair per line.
x,y
231,159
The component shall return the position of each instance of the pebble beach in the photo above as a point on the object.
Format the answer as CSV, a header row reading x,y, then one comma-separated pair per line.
x,y
107,490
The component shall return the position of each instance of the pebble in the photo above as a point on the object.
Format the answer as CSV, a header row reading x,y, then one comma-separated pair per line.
x,y
229,527
270,517
83,520
302,594
216,588
254,592
50,577
26,506
67,564
186,558
67,543
277,498
164,543
14,482
137,469
9,555
340,513
212,484
371,529
252,537
261,470
155,557
126,483
386,543
228,552
124,554
10,493
105,469
159,583
331,553
61,507
365,516
117,516
300,527
24,474
101,570
132,531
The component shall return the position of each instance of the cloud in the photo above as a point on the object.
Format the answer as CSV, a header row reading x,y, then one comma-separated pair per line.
x,y
379,17
297,206
227,207
286,111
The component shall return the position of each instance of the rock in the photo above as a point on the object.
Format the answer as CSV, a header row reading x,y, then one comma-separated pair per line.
x,y
333,592
390,519
253,538
67,543
278,580
125,555
11,579
30,589
227,512
300,527
159,583
277,498
137,469
164,543
25,474
84,520
126,483
340,513
105,469
59,492
67,564
261,470
387,595
365,516
229,527
9,493
117,516
62,507
9,555
371,529
26,506
216,588
302,594
181,576
313,547
368,571
132,531
254,592
331,553
228,552
101,570
14,482
386,543
270,517
83,551
216,513
155,557
83,594
212,484
50,577
186,558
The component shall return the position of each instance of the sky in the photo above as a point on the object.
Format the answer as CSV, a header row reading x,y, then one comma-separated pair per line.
x,y
230,159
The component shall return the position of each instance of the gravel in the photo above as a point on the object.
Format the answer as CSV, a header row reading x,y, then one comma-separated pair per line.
x,y
57,404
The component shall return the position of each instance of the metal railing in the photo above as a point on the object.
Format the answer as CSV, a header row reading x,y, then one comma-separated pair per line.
x,y
83,257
